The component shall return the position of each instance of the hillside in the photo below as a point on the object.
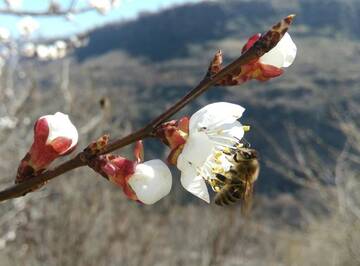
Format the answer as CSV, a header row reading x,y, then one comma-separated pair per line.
x,y
161,56
166,35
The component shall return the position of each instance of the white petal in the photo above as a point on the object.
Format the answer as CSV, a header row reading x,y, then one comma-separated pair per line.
x,y
197,149
234,130
282,55
60,126
181,163
151,181
228,134
195,184
215,115
274,57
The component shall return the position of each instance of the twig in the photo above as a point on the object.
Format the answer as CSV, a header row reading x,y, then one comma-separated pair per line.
x,y
262,46
72,5
19,13
23,188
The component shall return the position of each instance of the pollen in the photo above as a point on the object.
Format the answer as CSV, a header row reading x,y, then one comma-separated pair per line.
x,y
218,170
246,128
217,155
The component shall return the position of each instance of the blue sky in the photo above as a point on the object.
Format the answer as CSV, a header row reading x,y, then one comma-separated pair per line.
x,y
58,26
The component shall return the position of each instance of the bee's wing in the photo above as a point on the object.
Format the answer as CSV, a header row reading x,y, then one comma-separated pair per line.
x,y
247,199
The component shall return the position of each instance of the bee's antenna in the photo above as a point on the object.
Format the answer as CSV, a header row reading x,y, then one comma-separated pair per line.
x,y
245,143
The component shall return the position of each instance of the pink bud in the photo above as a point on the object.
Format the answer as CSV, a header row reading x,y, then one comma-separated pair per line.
x,y
54,136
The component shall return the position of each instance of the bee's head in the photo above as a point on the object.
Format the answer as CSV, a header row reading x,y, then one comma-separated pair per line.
x,y
248,154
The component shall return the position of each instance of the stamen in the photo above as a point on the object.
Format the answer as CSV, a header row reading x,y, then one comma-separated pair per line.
x,y
227,151
246,128
223,145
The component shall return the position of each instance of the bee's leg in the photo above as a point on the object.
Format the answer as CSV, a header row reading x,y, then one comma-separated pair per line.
x,y
218,183
231,198
237,192
224,198
221,178
219,200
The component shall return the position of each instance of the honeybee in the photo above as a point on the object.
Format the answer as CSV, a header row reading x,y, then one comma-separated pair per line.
x,y
237,183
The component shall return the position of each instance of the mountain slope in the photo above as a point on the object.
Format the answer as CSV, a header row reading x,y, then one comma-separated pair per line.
x,y
165,35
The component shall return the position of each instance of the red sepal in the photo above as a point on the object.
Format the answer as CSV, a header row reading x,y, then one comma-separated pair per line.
x,y
139,151
119,170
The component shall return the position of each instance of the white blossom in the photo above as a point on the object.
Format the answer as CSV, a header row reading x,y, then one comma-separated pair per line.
x,y
151,181
53,52
282,55
102,6
61,47
42,52
212,129
14,4
27,26
4,34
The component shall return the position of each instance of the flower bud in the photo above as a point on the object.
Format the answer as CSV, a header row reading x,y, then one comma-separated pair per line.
x,y
146,182
151,181
278,49
54,136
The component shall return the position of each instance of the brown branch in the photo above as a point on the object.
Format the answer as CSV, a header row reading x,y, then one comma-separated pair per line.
x,y
262,46
23,188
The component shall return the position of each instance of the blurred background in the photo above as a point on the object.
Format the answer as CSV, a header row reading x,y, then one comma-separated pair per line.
x,y
144,55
